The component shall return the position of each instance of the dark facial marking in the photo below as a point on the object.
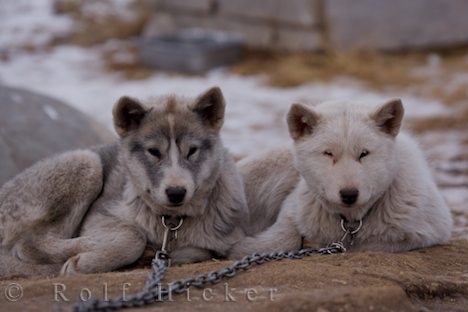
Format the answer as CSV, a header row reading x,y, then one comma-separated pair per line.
x,y
151,166
207,144
136,147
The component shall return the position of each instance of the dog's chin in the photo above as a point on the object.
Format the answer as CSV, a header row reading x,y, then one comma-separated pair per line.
x,y
169,210
345,209
351,212
355,206
339,206
176,209
174,206
163,207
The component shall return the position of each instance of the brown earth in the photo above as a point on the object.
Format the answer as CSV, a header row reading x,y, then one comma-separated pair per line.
x,y
421,280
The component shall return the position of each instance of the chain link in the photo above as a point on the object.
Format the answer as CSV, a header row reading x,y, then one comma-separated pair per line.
x,y
153,290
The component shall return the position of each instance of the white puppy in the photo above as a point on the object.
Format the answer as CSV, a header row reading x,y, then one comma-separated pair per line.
x,y
357,172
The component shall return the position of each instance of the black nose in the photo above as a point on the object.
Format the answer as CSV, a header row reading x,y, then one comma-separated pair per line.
x,y
176,195
349,195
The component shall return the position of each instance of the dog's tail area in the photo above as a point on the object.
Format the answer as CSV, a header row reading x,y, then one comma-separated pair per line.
x,y
268,180
11,267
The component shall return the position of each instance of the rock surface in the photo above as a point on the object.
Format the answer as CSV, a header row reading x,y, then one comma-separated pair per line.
x,y
397,24
421,280
34,126
273,24
310,25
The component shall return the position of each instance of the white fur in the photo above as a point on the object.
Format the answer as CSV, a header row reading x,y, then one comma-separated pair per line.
x,y
399,203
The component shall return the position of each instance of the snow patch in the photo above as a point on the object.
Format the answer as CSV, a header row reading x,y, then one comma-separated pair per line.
x,y
255,115
51,112
29,23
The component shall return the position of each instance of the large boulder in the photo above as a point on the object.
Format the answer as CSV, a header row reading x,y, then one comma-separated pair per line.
x,y
397,24
432,279
34,126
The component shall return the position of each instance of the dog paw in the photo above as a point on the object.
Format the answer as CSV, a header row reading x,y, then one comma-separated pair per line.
x,y
70,267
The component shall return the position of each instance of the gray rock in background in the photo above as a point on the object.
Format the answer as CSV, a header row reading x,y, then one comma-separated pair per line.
x,y
272,24
200,6
291,39
396,24
310,25
292,12
34,126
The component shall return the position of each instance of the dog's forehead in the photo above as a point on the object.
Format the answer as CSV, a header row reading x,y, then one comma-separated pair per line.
x,y
346,123
337,117
171,117
170,104
345,109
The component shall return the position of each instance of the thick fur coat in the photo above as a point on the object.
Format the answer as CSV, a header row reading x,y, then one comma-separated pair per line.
x,y
95,210
353,165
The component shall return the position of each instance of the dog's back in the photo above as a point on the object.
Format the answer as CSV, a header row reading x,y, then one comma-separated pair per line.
x,y
268,179
43,206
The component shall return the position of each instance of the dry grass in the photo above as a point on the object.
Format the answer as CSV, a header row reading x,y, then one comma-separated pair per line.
x,y
450,97
378,70
97,28
457,121
129,65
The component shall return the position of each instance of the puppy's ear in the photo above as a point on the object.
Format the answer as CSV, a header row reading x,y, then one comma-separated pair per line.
x,y
128,114
301,120
210,107
388,117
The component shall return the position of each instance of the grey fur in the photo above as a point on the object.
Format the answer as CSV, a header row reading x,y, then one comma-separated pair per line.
x,y
95,210
269,178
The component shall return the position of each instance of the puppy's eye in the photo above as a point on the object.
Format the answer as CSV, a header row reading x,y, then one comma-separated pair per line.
x,y
155,152
328,153
364,153
192,151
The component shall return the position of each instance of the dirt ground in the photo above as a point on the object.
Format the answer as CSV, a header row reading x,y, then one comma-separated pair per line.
x,y
433,279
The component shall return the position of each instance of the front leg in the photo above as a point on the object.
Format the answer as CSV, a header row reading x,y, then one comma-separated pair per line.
x,y
113,245
190,254
392,241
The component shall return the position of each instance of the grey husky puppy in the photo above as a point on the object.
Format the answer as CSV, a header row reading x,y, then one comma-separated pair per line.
x,y
95,210
354,172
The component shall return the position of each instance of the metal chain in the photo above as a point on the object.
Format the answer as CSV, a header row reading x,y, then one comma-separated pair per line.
x,y
350,231
154,292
